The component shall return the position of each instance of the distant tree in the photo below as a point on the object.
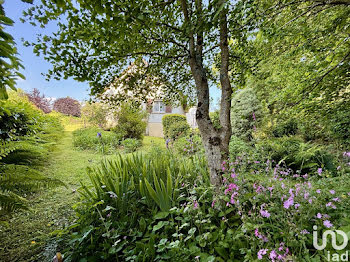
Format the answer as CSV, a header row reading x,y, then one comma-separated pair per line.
x,y
39,100
67,106
246,113
95,114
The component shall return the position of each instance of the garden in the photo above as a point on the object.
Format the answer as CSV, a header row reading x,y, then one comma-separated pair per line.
x,y
263,175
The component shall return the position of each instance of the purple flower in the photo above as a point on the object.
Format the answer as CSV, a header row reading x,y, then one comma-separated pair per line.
x,y
319,171
332,192
109,215
304,232
254,118
319,215
262,252
318,191
327,224
195,204
273,255
99,135
213,204
288,203
264,213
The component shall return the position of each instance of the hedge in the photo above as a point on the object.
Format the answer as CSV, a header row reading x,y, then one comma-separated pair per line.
x,y
168,122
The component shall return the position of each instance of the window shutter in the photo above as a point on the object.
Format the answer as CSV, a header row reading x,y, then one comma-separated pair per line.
x,y
168,109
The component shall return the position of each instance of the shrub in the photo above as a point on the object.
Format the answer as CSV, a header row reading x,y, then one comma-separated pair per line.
x,y
39,101
340,126
177,130
67,106
175,125
96,139
119,216
277,215
246,113
239,148
189,145
296,154
215,119
131,122
286,128
131,144
27,136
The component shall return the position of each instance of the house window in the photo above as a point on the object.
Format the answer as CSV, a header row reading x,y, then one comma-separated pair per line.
x,y
158,107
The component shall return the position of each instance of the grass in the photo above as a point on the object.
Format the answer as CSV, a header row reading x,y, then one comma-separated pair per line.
x,y
151,141
25,238
27,235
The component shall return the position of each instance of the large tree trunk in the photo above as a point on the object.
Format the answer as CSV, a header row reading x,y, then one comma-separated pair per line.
x,y
216,142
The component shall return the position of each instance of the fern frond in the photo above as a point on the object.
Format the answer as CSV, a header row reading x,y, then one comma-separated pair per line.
x,y
18,178
10,201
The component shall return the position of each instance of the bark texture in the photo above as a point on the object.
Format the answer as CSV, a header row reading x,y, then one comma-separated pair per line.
x,y
216,142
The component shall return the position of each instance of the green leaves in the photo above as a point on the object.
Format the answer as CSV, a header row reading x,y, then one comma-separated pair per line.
x,y
9,61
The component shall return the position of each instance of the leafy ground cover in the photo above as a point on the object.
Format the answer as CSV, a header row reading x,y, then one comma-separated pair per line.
x,y
161,207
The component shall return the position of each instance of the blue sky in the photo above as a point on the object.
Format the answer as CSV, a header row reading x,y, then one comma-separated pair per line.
x,y
35,66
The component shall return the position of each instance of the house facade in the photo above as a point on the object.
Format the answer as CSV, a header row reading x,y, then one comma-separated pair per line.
x,y
152,91
157,109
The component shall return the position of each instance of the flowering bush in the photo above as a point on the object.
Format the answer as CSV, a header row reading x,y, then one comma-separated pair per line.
x,y
39,100
67,106
189,145
147,208
278,208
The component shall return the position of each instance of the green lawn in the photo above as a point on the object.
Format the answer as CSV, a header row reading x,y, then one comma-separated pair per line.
x,y
27,236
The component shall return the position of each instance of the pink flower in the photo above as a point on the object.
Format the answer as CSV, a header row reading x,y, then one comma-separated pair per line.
x,y
262,252
332,192
281,246
327,224
195,204
319,215
318,191
273,255
264,213
256,233
213,203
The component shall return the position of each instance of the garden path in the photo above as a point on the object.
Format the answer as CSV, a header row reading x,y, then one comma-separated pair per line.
x,y
27,236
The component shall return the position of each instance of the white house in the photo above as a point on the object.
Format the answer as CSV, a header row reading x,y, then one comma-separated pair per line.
x,y
155,107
